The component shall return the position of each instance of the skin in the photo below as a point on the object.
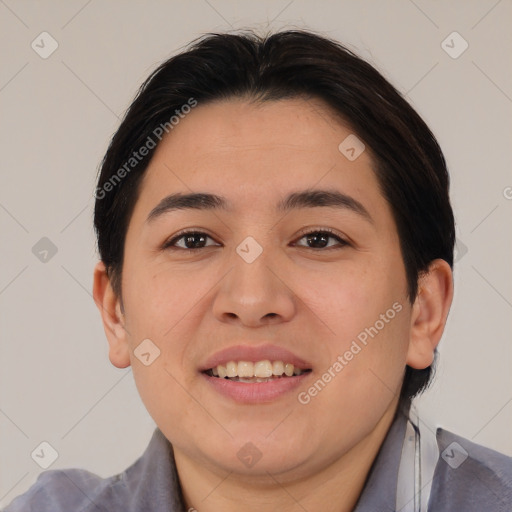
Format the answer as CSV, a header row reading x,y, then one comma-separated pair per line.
x,y
312,301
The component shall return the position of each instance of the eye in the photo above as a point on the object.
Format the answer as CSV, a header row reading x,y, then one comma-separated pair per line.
x,y
314,239
321,239
189,240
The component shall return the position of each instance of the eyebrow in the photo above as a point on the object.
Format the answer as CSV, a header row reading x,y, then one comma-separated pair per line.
x,y
312,198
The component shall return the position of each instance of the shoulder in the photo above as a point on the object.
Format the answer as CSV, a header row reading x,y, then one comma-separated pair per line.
x,y
470,477
67,490
150,483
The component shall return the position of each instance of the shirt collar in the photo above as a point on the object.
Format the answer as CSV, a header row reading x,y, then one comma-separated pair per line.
x,y
379,492
152,481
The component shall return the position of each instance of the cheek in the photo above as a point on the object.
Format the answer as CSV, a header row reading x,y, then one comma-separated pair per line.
x,y
159,297
363,375
352,298
158,385
366,342
162,306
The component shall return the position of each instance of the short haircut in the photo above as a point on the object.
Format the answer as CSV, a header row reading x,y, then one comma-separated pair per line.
x,y
407,160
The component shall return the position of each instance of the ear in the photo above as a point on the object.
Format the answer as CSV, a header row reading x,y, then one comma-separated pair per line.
x,y
429,313
112,316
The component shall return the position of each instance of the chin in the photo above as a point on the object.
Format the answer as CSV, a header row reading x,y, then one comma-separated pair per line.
x,y
256,455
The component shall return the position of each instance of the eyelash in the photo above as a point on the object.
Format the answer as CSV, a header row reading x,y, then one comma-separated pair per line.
x,y
317,231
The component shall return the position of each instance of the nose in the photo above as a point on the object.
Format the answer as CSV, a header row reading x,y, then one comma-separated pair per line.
x,y
254,294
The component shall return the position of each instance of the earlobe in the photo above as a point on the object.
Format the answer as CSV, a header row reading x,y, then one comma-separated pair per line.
x,y
429,313
109,306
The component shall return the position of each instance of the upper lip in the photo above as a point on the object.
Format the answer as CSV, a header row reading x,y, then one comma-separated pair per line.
x,y
254,353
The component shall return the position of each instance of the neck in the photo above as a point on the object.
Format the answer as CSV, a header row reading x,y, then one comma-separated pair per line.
x,y
335,487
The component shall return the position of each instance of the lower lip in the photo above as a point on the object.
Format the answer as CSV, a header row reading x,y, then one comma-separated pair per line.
x,y
256,392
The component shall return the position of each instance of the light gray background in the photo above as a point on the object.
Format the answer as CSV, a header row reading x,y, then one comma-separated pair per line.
x,y
57,116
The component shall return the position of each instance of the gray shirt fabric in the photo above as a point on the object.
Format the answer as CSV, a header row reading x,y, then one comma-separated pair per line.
x,y
482,482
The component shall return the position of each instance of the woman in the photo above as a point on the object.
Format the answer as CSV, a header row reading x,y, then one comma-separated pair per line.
x,y
276,243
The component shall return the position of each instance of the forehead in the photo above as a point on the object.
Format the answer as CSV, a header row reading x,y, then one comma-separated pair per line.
x,y
299,125
257,150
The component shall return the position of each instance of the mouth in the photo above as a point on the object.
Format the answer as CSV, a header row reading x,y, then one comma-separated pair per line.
x,y
255,372
250,374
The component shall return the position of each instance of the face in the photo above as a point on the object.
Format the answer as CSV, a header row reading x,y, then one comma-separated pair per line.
x,y
273,276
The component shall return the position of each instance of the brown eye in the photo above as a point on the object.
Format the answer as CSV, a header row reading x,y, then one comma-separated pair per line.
x,y
191,240
322,240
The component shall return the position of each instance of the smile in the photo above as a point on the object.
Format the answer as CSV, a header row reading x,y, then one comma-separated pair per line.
x,y
254,373
260,371
249,372
260,382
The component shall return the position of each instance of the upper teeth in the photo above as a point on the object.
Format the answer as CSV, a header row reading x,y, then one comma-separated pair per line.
x,y
262,369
